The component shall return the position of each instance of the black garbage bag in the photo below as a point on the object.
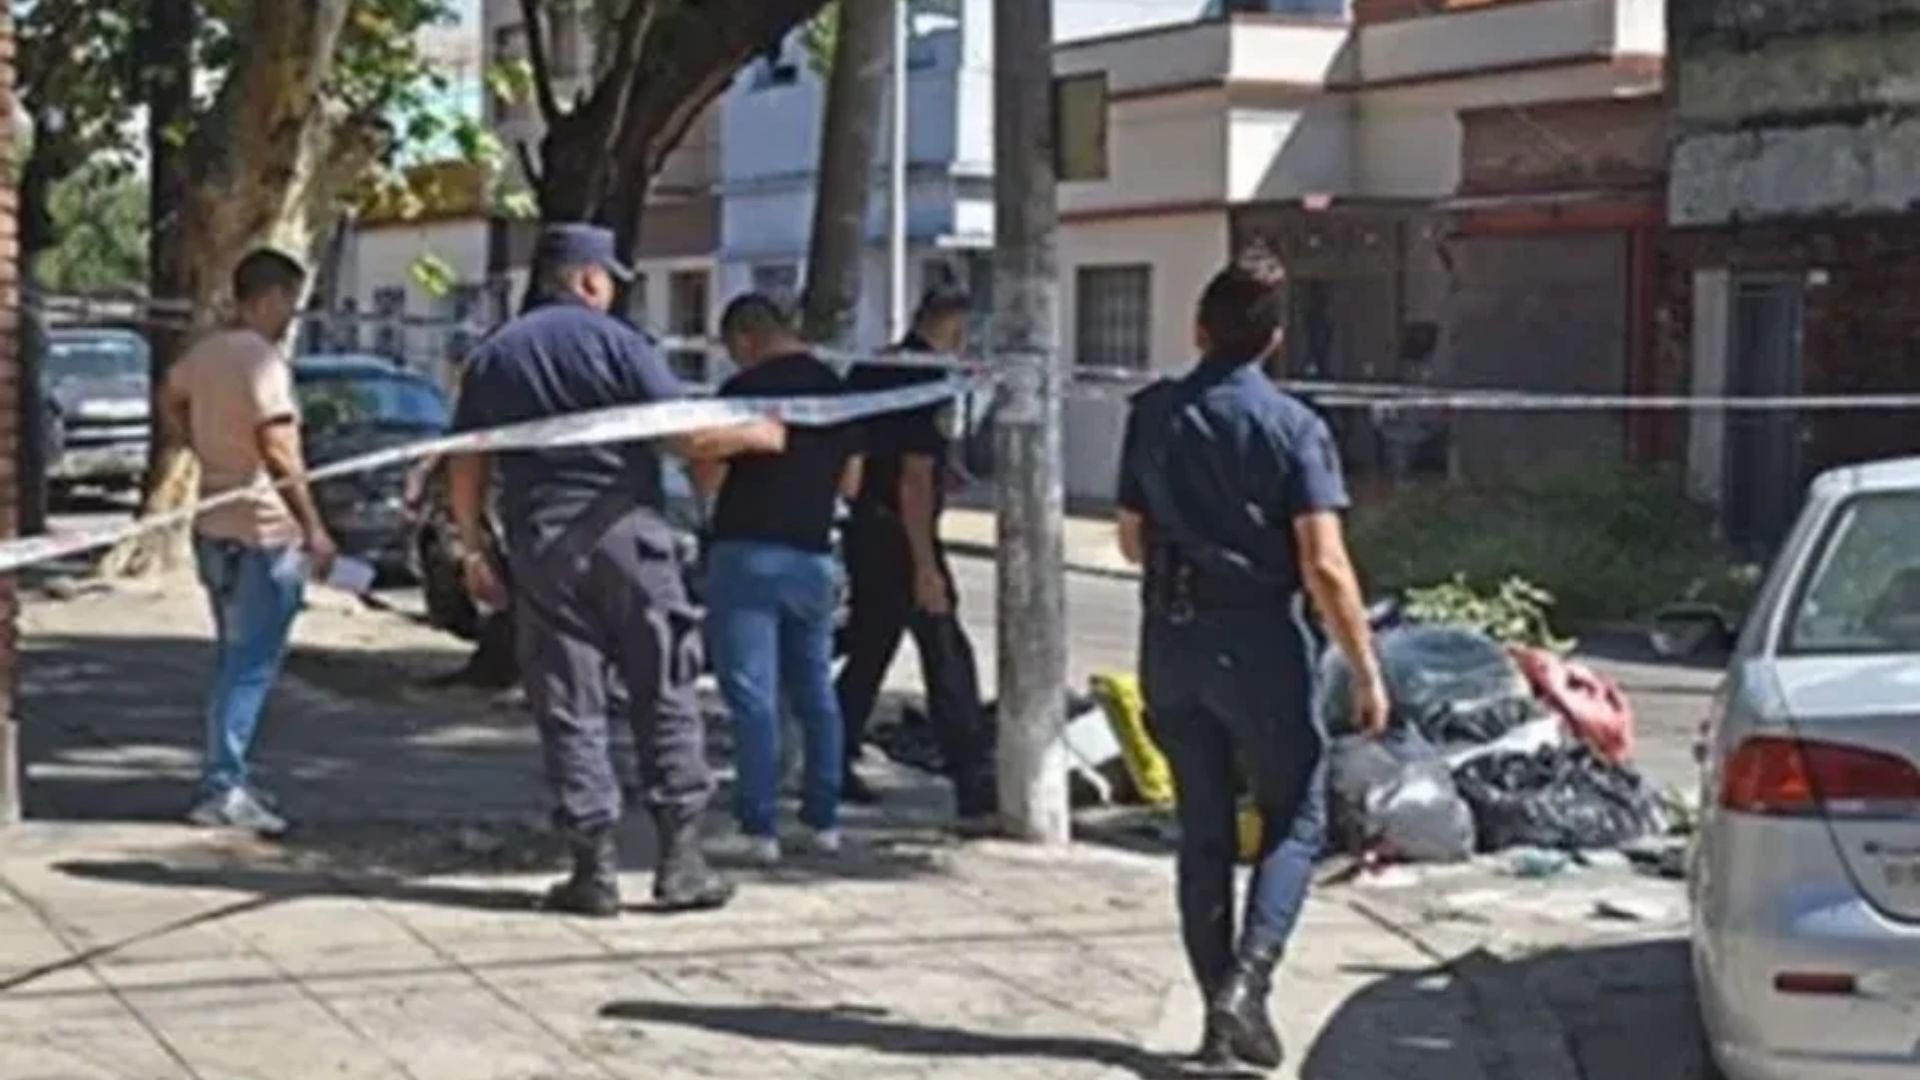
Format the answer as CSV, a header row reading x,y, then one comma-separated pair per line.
x,y
1561,797
911,741
1453,684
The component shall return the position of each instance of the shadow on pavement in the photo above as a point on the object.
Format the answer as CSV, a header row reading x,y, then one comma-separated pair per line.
x,y
1617,1011
873,1029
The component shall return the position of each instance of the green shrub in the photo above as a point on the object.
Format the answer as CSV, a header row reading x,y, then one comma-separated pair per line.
x,y
1606,545
1515,612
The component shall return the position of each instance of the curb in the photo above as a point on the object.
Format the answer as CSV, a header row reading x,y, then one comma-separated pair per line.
x,y
976,550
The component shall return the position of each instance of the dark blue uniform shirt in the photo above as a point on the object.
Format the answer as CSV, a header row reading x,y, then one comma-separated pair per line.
x,y
564,357
1220,462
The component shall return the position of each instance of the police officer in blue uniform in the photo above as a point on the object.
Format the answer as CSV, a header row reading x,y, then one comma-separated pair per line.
x,y
598,587
1230,495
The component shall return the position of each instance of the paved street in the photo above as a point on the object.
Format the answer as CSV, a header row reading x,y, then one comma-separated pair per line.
x,y
394,936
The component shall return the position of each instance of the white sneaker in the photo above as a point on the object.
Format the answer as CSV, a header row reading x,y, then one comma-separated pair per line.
x,y
238,808
763,850
825,841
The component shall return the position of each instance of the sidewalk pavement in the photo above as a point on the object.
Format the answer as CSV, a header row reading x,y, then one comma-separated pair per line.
x,y
393,935
1092,543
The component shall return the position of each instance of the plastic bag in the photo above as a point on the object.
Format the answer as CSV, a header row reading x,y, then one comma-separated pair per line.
x,y
1397,793
1119,696
1454,684
1564,798
1593,706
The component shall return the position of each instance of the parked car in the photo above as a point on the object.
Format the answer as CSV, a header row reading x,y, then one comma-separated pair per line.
x,y
351,405
94,387
444,589
1805,878
435,543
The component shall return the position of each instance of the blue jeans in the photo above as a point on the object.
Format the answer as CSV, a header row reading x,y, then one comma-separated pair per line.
x,y
255,594
1229,698
770,630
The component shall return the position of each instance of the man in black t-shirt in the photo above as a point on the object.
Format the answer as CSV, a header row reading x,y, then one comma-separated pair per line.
x,y
899,574
772,583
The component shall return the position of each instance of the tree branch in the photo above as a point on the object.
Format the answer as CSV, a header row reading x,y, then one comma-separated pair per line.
x,y
537,58
527,163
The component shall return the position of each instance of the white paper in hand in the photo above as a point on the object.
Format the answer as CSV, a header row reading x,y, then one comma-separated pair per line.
x,y
350,575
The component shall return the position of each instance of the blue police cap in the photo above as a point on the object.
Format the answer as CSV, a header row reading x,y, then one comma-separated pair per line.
x,y
580,245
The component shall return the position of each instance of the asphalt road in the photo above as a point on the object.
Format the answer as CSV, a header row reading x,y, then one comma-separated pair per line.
x,y
1103,613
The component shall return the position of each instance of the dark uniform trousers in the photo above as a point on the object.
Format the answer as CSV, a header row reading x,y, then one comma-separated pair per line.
x,y
1229,698
605,604
880,579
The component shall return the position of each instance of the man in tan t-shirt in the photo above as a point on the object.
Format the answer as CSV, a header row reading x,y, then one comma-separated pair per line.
x,y
230,401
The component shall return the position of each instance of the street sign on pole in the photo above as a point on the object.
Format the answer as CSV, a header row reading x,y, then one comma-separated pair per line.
x,y
1031,572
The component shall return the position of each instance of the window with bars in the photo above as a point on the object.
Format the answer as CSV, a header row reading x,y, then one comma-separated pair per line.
x,y
510,46
567,43
687,303
390,332
1112,316
779,282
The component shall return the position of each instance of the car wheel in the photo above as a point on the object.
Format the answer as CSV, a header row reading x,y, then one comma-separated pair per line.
x,y
445,592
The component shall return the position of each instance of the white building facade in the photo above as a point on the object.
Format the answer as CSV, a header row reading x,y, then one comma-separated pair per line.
x,y
1345,144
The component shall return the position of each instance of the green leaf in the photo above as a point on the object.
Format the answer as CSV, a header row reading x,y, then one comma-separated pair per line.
x,y
433,274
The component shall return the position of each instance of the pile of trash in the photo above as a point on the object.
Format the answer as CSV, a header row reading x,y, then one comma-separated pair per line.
x,y
1489,747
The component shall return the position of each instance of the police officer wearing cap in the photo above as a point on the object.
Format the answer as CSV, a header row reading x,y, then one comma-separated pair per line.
x,y
598,587
1230,497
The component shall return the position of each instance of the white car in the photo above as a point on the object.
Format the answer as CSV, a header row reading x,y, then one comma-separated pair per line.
x,y
1805,880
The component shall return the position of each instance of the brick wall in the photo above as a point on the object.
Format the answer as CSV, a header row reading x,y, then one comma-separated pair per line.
x,y
1862,329
10,766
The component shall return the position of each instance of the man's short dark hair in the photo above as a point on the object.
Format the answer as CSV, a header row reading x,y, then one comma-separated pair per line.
x,y
942,301
1241,310
755,313
265,269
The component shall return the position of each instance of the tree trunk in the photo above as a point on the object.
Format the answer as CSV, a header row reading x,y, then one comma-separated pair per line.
x,y
856,98
248,175
670,61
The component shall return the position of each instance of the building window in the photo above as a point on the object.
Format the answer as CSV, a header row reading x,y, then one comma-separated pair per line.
x,y
1080,126
779,282
567,45
510,46
640,301
687,304
389,328
1112,322
462,307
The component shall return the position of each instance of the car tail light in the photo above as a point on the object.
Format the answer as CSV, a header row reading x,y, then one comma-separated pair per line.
x,y
1789,777
1816,983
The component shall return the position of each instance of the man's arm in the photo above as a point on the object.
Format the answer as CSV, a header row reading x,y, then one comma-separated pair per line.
x,y
1326,569
917,502
708,478
1133,536
280,451
762,436
467,478
852,476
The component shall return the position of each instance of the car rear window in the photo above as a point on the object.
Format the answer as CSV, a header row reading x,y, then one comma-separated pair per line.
x,y
370,400
1862,594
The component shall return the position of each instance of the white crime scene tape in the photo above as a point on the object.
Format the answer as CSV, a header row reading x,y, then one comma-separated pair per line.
x,y
1095,380
620,423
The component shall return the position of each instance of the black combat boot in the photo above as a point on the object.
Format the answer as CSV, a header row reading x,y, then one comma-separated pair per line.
x,y
594,888
1216,1050
1239,1010
683,880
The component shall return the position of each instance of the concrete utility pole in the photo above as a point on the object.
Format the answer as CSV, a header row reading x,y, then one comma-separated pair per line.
x,y
1032,583
897,174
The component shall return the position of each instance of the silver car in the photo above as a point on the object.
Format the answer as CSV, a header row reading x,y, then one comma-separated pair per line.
x,y
1806,873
